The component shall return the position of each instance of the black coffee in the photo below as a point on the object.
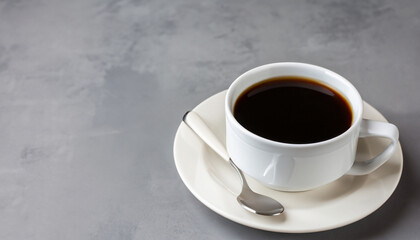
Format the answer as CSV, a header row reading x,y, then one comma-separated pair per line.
x,y
293,110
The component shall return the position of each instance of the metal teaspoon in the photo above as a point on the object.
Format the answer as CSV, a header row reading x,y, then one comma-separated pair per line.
x,y
248,199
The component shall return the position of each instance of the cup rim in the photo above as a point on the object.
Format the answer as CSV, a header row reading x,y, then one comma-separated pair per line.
x,y
230,118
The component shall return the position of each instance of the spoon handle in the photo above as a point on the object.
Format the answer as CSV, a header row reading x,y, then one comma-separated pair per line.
x,y
196,123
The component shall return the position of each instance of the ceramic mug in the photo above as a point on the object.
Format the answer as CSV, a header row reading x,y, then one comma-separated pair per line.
x,y
299,167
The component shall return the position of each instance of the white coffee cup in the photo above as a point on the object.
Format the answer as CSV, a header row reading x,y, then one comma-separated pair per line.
x,y
299,167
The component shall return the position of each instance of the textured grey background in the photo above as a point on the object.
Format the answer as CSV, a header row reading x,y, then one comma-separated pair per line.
x,y
92,92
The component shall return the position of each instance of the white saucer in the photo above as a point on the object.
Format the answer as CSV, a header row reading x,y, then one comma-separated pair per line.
x,y
349,199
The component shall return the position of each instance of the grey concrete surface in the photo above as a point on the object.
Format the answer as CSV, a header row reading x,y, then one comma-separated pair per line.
x,y
92,92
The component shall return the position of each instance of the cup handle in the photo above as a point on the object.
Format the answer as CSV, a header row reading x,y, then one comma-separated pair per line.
x,y
371,128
